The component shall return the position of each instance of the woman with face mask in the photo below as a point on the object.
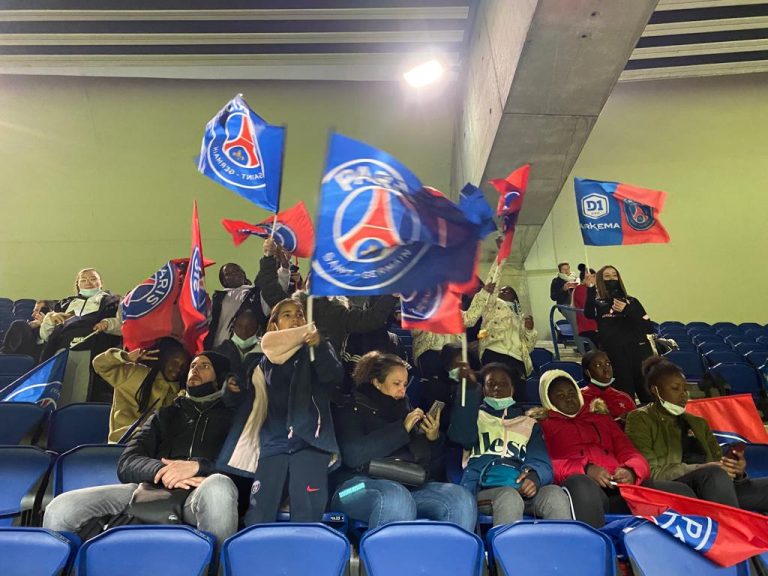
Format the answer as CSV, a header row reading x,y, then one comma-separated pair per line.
x,y
624,327
506,335
598,372
380,426
505,462
681,447
243,348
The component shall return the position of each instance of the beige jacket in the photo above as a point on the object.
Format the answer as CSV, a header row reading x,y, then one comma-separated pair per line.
x,y
126,378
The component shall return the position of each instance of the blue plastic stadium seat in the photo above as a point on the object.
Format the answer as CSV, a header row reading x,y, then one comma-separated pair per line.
x,y
710,346
286,549
423,548
86,466
336,520
757,358
22,473
726,332
531,392
539,357
718,325
744,326
756,333
742,378
572,368
77,424
133,550
19,420
747,347
699,339
698,325
12,366
652,551
552,548
689,363
672,324
734,339
718,356
34,552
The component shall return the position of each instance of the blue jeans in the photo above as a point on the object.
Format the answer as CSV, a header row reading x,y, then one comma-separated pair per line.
x,y
382,501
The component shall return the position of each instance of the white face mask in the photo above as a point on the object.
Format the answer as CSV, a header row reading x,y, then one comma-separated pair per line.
x,y
245,344
673,409
602,384
514,306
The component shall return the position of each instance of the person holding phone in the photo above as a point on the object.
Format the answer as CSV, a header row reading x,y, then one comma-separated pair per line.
x,y
378,431
505,462
681,447
624,327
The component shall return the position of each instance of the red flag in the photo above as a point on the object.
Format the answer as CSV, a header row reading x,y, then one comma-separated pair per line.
x,y
638,226
735,413
723,534
194,303
294,230
149,311
511,195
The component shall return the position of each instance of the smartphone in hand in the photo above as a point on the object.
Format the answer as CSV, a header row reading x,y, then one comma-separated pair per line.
x,y
437,405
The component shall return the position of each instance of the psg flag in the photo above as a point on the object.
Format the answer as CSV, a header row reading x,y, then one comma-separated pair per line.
x,y
511,195
194,302
613,213
293,230
475,207
433,310
41,385
723,534
379,231
244,153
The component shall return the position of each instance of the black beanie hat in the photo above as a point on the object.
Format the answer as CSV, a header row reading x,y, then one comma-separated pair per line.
x,y
220,364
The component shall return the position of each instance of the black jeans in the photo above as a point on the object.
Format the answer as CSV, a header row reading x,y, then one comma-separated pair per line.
x,y
713,484
516,365
591,502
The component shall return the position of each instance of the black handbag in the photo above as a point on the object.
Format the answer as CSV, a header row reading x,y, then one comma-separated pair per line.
x,y
397,470
152,504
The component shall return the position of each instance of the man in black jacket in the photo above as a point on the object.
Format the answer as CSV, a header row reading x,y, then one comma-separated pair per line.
x,y
176,448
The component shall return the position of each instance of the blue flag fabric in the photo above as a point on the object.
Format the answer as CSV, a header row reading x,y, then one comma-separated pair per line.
x,y
244,153
379,231
477,210
41,385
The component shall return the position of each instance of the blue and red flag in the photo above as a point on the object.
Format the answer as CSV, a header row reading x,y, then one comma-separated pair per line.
x,y
475,207
614,214
511,196
293,230
244,153
379,231
723,534
433,310
41,385
150,311
194,302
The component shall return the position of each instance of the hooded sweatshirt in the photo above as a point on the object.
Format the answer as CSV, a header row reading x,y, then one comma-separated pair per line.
x,y
585,438
487,434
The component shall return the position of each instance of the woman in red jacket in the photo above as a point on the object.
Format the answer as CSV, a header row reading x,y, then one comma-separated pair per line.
x,y
590,453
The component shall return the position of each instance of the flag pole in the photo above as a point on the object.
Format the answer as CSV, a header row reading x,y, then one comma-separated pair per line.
x,y
465,359
309,321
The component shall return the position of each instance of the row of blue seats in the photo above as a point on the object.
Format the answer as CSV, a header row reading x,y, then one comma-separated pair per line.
x,y
544,548
68,427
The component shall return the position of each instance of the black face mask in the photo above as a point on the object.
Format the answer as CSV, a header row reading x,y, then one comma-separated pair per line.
x,y
202,390
614,289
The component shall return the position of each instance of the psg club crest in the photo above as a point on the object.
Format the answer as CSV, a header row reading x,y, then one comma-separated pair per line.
x,y
421,306
149,294
367,246
284,236
639,217
233,149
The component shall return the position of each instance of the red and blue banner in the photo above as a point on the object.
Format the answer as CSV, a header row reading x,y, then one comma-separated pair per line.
x,y
475,207
150,311
293,230
244,153
511,196
379,231
723,534
433,310
735,413
614,214
41,385
194,302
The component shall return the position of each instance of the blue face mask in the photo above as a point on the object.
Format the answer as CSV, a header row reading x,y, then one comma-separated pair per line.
x,y
88,292
602,384
499,403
